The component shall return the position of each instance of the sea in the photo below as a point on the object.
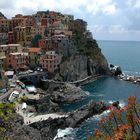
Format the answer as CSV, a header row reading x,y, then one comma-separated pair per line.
x,y
125,54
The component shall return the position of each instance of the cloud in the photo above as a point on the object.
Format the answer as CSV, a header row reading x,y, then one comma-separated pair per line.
x,y
92,6
105,7
133,3
105,16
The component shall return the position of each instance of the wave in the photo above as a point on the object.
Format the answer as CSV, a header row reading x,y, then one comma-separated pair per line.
x,y
87,93
65,134
121,103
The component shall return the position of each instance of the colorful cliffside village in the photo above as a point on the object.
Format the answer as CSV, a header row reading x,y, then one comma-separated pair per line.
x,y
38,40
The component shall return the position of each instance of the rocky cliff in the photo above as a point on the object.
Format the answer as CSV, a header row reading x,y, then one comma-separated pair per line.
x,y
87,60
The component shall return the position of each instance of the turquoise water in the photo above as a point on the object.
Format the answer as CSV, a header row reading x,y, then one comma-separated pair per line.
x,y
124,54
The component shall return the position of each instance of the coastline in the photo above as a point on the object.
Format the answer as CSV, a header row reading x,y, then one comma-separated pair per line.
x,y
133,79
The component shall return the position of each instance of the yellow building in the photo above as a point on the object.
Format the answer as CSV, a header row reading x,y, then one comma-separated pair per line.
x,y
34,55
23,35
38,30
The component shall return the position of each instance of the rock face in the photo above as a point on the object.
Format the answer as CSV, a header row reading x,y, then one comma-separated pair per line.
x,y
115,70
82,64
48,128
67,94
52,100
18,131
44,105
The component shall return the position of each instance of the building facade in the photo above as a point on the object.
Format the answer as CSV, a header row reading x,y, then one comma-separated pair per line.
x,y
17,60
50,61
34,55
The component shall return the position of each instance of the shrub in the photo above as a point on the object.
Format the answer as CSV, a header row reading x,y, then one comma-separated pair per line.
x,y
120,124
6,109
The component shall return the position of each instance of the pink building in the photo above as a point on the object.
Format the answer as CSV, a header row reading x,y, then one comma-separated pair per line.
x,y
17,60
50,61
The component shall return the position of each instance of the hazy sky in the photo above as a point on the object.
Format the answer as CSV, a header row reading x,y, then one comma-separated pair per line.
x,y
107,19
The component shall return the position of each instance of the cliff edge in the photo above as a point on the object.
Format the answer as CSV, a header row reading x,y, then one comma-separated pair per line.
x,y
84,58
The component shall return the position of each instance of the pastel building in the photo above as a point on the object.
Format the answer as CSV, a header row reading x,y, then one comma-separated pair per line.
x,y
34,55
23,35
17,60
50,61
18,20
60,25
10,48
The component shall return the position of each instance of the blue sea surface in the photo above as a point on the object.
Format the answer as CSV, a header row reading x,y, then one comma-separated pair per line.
x,y
122,53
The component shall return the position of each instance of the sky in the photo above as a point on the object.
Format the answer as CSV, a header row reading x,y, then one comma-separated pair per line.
x,y
107,19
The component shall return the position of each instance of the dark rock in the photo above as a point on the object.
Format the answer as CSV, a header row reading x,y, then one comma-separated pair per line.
x,y
48,128
116,71
111,66
18,131
44,105
67,94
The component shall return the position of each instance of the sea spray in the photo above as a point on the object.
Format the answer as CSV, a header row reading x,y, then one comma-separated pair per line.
x,y
65,134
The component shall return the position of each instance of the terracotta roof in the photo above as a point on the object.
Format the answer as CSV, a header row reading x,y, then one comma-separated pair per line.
x,y
35,50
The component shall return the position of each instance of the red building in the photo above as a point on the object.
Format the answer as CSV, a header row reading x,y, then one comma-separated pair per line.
x,y
44,22
17,60
11,38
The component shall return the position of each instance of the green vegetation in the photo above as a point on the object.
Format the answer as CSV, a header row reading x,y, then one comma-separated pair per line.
x,y
6,110
34,42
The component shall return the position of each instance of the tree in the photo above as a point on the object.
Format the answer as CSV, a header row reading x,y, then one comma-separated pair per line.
x,y
34,42
121,124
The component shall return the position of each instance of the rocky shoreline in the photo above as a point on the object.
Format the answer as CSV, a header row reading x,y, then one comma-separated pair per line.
x,y
47,129
132,79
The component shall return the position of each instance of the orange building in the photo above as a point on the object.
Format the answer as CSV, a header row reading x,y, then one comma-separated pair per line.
x,y
34,55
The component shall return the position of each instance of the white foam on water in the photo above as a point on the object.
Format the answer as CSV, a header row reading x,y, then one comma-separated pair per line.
x,y
64,134
121,103
99,117
87,93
